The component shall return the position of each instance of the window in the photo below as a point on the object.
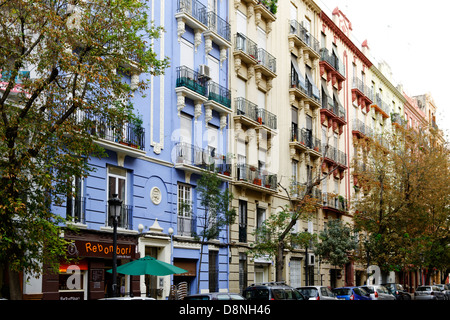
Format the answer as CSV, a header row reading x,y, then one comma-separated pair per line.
x,y
242,221
294,171
75,201
294,124
185,219
117,184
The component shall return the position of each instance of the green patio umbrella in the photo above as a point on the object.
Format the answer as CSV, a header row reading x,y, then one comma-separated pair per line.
x,y
148,265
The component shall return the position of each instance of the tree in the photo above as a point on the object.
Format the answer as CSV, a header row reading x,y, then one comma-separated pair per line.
x,y
62,64
337,243
404,206
275,235
217,211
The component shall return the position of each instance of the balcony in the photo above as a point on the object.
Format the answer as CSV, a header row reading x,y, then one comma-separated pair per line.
x,y
248,176
381,107
125,219
190,85
398,120
302,42
333,66
332,157
361,94
194,159
245,50
304,90
187,224
302,140
193,14
360,130
251,115
333,203
267,63
219,31
298,191
125,138
219,99
333,111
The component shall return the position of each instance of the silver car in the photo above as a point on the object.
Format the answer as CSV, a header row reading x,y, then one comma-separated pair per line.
x,y
378,292
429,292
317,293
445,288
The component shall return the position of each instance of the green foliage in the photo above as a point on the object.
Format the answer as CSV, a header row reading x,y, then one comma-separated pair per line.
x,y
62,66
337,242
403,208
216,203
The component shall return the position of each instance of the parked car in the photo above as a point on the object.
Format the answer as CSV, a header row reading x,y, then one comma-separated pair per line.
x,y
272,291
429,292
215,296
446,289
317,293
351,293
397,291
378,292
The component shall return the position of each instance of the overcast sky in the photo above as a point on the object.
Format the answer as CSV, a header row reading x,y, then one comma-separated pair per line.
x,y
412,36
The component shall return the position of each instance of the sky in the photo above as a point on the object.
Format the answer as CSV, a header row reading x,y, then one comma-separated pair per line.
x,y
412,36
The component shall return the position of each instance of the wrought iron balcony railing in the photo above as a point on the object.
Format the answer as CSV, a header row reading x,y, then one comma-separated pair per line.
x,y
126,133
246,45
187,224
194,8
253,112
251,174
334,201
332,60
267,60
219,94
305,138
125,219
300,31
306,87
190,79
207,159
75,209
219,25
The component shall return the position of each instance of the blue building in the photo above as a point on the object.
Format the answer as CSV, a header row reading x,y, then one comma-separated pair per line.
x,y
154,169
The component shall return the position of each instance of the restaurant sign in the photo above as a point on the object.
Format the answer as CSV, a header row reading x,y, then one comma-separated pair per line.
x,y
82,248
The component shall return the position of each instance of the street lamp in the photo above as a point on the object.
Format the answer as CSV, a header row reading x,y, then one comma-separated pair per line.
x,y
115,207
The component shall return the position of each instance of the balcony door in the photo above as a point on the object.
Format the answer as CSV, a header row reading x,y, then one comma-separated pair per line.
x,y
185,146
117,184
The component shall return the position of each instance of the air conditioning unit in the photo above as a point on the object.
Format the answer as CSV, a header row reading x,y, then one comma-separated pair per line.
x,y
311,259
203,72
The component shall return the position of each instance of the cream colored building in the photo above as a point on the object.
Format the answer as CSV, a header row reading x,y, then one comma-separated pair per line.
x,y
303,93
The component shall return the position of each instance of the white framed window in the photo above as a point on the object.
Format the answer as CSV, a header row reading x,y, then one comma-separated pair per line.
x,y
75,202
184,210
117,184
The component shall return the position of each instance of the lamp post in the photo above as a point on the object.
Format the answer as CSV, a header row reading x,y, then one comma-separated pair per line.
x,y
115,207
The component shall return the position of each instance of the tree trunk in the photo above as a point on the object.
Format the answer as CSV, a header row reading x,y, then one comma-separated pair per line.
x,y
15,290
280,262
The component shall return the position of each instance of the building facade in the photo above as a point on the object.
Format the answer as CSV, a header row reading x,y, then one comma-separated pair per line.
x,y
155,166
269,96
